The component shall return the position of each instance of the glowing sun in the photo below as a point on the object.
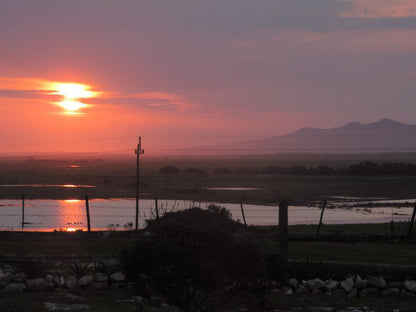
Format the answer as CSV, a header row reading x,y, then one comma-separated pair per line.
x,y
72,106
71,93
73,90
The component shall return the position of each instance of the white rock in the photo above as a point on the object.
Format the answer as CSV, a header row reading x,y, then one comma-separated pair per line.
x,y
353,293
19,277
101,277
360,283
139,299
52,306
347,284
59,281
377,282
391,292
289,292
405,294
15,287
314,283
410,286
70,282
38,284
49,278
118,277
5,279
85,280
331,284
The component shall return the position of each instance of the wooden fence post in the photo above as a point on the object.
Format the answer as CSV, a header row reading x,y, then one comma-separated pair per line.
x,y
320,219
242,212
409,235
391,228
87,206
23,211
283,228
157,209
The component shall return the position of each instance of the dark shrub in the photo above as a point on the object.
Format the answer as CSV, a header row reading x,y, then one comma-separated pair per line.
x,y
325,170
223,171
169,170
215,218
364,168
194,171
195,259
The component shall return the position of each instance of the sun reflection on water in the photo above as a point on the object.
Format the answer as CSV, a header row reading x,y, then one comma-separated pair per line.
x,y
72,94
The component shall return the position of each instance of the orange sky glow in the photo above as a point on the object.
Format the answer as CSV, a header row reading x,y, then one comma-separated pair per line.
x,y
92,76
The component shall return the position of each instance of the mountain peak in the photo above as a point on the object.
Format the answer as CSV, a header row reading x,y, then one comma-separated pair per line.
x,y
385,135
387,123
352,124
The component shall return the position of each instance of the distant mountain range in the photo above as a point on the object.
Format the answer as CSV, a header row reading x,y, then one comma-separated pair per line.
x,y
385,135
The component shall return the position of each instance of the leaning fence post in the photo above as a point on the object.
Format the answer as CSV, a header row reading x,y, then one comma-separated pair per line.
x,y
283,228
320,219
23,211
409,235
87,206
242,212
157,209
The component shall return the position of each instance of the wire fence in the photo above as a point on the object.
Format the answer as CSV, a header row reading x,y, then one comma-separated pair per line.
x,y
119,214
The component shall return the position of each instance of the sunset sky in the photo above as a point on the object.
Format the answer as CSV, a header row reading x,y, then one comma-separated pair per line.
x,y
93,75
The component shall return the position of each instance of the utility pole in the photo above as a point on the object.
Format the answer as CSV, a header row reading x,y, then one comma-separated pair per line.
x,y
320,219
87,207
283,229
157,209
242,213
23,212
412,220
138,152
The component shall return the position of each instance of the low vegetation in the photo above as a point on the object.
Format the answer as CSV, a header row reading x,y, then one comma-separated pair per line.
x,y
195,258
366,168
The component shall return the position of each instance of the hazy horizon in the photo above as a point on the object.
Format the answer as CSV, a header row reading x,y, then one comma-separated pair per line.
x,y
389,136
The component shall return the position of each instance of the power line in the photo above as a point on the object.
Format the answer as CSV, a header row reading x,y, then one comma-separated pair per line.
x,y
274,137
277,150
69,141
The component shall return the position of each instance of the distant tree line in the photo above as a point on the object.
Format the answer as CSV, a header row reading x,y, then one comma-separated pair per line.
x,y
387,168
365,168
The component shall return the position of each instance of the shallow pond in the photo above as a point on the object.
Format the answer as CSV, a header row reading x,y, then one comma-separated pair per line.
x,y
119,214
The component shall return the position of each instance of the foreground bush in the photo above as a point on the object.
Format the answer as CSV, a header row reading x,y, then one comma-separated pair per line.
x,y
194,258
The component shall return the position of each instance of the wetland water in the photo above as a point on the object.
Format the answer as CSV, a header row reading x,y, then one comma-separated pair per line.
x,y
117,214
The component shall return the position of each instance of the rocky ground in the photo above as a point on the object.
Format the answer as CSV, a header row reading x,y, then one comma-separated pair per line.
x,y
103,287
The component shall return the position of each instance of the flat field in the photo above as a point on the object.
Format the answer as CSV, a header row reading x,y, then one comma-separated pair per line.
x,y
115,178
97,244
